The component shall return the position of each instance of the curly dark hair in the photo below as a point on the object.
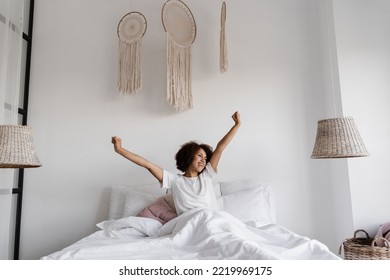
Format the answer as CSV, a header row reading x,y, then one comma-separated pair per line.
x,y
186,154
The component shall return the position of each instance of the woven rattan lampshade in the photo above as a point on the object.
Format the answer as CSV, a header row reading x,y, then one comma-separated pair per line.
x,y
338,138
16,147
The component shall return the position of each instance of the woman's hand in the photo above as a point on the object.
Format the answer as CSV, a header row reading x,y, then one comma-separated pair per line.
x,y
236,118
117,142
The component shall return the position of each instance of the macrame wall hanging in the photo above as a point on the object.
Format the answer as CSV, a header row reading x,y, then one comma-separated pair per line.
x,y
179,25
131,29
223,62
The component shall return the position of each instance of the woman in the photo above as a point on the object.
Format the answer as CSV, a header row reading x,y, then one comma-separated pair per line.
x,y
199,165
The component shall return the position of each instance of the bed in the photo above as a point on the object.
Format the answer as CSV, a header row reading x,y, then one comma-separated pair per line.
x,y
243,228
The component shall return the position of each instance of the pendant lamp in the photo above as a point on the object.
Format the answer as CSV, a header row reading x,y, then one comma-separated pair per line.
x,y
337,137
16,147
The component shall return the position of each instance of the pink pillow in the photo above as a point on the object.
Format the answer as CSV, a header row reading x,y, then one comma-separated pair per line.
x,y
159,210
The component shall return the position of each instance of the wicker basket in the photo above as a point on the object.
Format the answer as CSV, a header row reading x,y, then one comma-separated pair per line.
x,y
363,248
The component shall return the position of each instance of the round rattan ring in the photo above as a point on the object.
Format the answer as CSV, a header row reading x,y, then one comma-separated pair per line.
x,y
178,22
132,27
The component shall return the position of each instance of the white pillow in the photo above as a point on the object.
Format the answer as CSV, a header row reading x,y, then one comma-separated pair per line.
x,y
248,200
251,206
217,188
118,197
146,226
228,187
137,201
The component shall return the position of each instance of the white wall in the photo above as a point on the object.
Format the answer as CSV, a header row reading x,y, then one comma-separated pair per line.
x,y
363,42
276,79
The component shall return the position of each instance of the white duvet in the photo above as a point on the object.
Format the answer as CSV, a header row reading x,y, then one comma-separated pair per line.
x,y
196,234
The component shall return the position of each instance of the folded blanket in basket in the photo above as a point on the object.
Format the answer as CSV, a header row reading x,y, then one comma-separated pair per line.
x,y
384,231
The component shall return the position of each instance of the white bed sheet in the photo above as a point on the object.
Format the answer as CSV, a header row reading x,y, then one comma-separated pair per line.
x,y
196,234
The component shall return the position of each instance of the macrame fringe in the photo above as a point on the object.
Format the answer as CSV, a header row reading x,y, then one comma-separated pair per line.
x,y
179,93
129,80
223,61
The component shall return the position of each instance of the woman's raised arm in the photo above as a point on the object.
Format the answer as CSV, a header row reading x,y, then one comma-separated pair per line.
x,y
222,144
154,169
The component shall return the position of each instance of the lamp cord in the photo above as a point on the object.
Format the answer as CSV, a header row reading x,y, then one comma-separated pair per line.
x,y
330,57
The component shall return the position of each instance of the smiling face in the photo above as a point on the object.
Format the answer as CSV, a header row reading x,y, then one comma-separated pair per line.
x,y
198,163
192,158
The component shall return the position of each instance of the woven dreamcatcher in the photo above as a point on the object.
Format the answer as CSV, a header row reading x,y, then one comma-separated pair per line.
x,y
179,25
131,29
223,62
